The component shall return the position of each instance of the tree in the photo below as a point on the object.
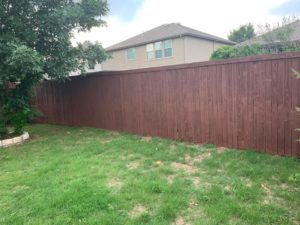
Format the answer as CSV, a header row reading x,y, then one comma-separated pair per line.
x,y
272,39
243,33
278,36
35,41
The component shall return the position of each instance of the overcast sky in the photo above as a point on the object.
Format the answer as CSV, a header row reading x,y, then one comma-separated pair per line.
x,y
218,17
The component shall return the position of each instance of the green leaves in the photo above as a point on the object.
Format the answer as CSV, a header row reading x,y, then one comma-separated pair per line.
x,y
227,52
243,33
224,52
23,60
35,40
295,178
92,10
91,54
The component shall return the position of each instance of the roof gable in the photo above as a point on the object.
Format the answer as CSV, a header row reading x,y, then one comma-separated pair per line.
x,y
167,31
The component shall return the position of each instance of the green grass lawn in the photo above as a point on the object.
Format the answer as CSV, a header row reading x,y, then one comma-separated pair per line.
x,y
69,175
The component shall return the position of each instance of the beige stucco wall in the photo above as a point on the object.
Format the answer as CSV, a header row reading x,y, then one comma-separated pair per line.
x,y
185,50
119,59
198,50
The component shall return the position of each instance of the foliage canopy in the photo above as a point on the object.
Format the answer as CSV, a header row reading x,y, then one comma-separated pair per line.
x,y
243,33
35,41
272,39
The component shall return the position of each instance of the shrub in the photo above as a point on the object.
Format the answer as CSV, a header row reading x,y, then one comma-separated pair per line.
x,y
224,52
227,52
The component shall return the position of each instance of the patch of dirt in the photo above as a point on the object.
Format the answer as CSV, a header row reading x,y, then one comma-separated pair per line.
x,y
106,141
114,183
234,220
133,165
200,157
196,181
180,166
188,159
192,204
247,181
146,139
269,198
284,186
114,133
158,163
227,188
266,189
137,210
128,157
170,179
275,178
193,146
172,147
221,149
19,188
192,160
180,221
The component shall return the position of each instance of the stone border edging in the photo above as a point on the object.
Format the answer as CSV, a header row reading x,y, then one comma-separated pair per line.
x,y
14,141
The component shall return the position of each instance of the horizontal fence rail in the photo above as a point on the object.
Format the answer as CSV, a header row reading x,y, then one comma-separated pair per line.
x,y
245,103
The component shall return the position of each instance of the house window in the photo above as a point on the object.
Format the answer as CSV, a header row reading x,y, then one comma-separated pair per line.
x,y
168,51
131,54
160,49
150,52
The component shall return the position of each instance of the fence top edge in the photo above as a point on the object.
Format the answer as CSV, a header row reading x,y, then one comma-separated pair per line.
x,y
249,59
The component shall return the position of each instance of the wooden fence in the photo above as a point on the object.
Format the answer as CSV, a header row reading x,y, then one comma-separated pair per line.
x,y
246,103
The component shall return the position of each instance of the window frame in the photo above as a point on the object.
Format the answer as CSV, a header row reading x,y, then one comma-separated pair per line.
x,y
128,54
150,50
153,48
171,47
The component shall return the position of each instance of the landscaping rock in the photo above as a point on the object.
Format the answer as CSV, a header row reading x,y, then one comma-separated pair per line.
x,y
14,141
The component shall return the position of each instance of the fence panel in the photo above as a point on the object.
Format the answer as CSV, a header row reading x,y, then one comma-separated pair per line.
x,y
245,103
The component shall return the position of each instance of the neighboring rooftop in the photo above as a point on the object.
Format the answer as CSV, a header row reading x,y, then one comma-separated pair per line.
x,y
166,31
293,28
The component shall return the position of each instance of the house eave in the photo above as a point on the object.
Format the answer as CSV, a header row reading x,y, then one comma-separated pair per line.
x,y
170,37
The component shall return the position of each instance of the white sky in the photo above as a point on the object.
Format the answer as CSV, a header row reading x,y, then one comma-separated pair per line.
x,y
215,17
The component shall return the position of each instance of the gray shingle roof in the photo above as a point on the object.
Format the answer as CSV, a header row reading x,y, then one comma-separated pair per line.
x,y
294,36
166,31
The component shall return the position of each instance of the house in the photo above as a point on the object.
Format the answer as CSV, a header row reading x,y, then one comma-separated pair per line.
x,y
168,44
288,34
95,68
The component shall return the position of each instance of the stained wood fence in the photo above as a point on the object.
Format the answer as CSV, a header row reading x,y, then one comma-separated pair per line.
x,y
245,103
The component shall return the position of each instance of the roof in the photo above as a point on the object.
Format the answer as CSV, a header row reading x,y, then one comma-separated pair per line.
x,y
166,31
294,28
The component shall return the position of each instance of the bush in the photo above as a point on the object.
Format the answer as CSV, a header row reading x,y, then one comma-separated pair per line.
x,y
17,111
224,52
3,129
227,52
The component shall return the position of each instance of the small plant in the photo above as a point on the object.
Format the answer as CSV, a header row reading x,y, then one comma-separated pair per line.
x,y
295,178
298,110
297,75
